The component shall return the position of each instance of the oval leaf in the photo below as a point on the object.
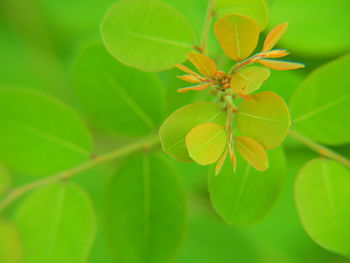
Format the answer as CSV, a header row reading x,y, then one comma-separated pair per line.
x,y
252,152
145,223
280,65
42,135
264,118
175,128
320,105
249,79
238,35
146,34
5,179
57,224
206,142
246,195
107,88
322,198
203,64
10,247
274,36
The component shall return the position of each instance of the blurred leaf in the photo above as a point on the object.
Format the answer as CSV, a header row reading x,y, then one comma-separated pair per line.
x,y
316,28
238,35
57,224
254,9
147,34
320,105
206,142
252,152
322,198
274,36
5,179
175,128
10,248
40,134
247,195
203,64
265,118
280,65
145,211
249,79
116,97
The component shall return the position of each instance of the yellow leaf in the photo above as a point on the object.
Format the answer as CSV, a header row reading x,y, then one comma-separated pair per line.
x,y
187,70
280,65
220,163
190,78
252,152
203,64
233,159
274,36
238,35
206,142
197,87
249,79
276,53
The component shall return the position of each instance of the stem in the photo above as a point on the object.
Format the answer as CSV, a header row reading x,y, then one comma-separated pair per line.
x,y
15,193
322,150
206,27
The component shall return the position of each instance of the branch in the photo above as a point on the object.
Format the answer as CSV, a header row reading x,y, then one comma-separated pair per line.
x,y
322,150
15,193
206,26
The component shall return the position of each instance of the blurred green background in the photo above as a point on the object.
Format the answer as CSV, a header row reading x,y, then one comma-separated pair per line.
x,y
38,42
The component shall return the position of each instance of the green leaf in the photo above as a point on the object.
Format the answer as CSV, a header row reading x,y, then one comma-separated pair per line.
x,y
117,98
145,213
206,142
175,128
238,35
320,105
5,179
40,134
254,9
147,34
322,197
247,195
57,224
10,248
264,118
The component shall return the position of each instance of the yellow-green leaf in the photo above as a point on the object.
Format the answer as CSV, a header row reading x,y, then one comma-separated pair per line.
x,y
280,65
203,64
10,247
249,79
265,118
206,142
274,36
238,35
252,152
220,162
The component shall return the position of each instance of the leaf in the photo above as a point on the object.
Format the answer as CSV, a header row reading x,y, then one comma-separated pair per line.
x,y
189,78
116,98
320,105
5,180
206,142
10,247
322,197
145,213
57,224
252,152
220,162
265,118
238,35
249,79
274,36
256,10
195,88
247,195
276,53
203,64
146,34
280,65
175,128
43,135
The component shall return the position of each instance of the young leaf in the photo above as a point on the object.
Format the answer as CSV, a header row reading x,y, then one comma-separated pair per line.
x,y
249,79
247,195
320,105
5,179
195,88
252,152
41,134
10,247
280,65
206,142
116,98
203,64
238,35
175,128
57,224
190,78
274,36
145,212
322,198
221,162
146,34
